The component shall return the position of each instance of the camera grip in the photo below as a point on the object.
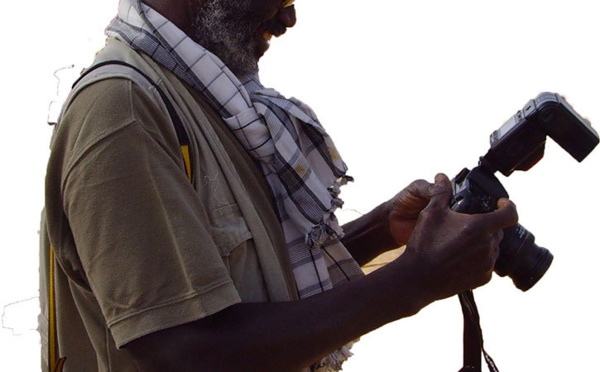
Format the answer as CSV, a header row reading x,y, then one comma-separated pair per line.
x,y
476,191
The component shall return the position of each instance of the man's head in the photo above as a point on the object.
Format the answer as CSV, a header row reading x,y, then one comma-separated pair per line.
x,y
238,31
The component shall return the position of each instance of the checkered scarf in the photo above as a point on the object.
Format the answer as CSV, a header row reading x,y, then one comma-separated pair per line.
x,y
300,162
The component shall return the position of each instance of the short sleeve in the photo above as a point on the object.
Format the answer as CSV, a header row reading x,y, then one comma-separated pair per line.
x,y
140,230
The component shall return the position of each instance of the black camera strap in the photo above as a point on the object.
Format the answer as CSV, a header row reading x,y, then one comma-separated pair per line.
x,y
473,337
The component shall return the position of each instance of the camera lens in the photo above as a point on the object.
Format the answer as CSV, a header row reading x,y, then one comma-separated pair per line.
x,y
521,259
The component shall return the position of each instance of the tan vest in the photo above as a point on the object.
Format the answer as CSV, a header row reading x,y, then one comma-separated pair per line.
x,y
116,169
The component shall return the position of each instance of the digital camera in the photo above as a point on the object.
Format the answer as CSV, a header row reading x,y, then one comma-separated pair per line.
x,y
519,145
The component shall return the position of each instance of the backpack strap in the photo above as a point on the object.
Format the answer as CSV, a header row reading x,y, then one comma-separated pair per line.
x,y
55,363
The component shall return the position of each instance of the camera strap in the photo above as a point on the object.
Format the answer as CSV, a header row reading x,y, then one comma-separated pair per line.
x,y
473,336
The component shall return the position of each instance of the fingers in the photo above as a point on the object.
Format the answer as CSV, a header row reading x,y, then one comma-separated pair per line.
x,y
505,216
441,191
420,189
495,245
424,190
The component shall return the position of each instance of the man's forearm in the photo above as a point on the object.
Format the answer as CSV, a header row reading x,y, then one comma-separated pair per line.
x,y
369,235
447,253
285,336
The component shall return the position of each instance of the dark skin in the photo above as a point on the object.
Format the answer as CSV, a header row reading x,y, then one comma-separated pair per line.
x,y
389,225
447,253
275,16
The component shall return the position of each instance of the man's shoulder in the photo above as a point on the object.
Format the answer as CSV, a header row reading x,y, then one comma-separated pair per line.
x,y
106,106
107,99
107,112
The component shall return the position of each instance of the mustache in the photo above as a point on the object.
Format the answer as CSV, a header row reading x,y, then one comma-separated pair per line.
x,y
274,27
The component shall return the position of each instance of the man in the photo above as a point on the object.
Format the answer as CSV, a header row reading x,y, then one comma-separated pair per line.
x,y
230,259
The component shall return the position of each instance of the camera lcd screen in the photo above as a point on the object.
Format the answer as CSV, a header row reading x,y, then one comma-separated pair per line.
x,y
507,127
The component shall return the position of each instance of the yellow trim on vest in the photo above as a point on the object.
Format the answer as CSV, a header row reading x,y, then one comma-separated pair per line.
x,y
185,151
53,364
60,365
51,313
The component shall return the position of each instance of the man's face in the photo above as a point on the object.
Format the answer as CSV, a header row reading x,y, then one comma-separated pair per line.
x,y
238,31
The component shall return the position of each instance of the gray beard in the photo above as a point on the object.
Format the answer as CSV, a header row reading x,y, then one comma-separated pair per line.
x,y
220,27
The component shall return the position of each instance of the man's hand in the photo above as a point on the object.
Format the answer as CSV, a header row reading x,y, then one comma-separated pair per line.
x,y
405,208
454,251
389,225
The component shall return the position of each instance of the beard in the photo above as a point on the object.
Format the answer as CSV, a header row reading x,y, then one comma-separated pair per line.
x,y
221,26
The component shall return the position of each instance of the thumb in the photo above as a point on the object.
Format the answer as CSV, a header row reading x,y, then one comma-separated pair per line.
x,y
441,191
505,216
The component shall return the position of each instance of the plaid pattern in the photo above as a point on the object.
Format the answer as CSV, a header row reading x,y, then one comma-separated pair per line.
x,y
300,162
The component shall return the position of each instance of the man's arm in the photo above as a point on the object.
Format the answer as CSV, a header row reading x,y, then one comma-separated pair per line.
x,y
447,253
285,336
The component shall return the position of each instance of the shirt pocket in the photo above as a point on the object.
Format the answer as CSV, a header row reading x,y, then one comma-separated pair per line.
x,y
228,228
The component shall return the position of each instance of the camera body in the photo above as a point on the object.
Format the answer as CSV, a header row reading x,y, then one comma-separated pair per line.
x,y
518,145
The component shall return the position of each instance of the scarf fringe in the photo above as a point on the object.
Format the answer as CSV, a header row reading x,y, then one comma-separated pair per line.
x,y
321,234
333,362
329,229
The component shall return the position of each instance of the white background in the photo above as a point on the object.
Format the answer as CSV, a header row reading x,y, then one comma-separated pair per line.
x,y
406,89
